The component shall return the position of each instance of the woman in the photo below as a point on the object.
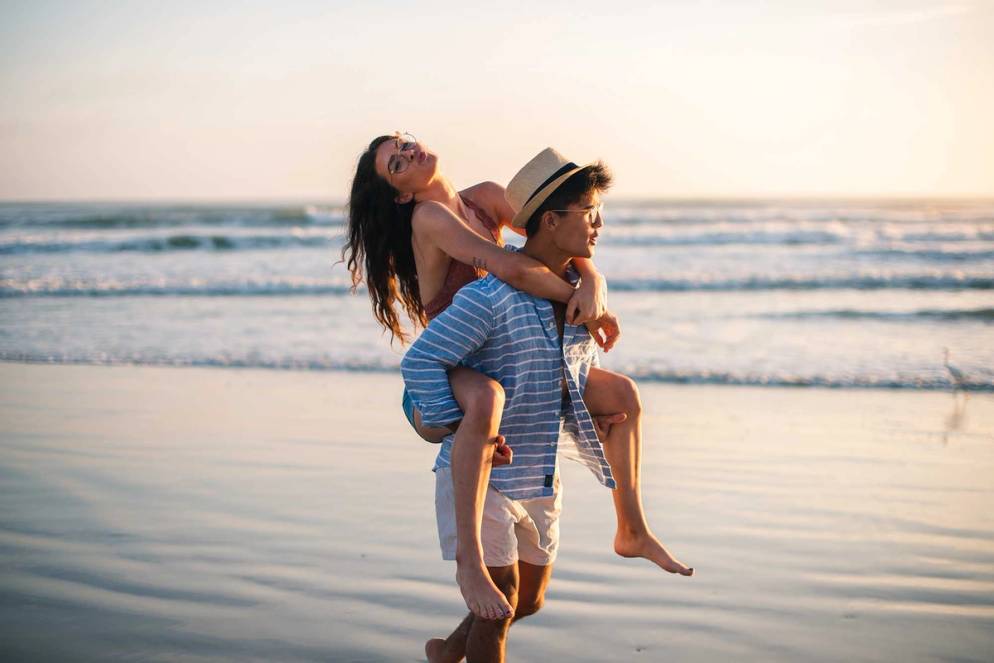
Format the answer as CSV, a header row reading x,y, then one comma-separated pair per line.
x,y
416,240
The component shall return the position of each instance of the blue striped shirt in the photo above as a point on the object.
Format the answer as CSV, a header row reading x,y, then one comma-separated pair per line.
x,y
512,337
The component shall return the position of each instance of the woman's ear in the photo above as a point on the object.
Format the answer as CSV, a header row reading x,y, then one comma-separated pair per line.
x,y
404,198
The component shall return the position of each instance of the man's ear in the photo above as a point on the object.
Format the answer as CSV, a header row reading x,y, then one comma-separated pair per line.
x,y
549,220
404,198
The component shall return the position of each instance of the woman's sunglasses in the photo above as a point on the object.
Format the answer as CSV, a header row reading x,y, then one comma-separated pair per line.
x,y
399,162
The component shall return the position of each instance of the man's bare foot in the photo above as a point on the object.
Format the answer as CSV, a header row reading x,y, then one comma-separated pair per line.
x,y
435,652
480,593
648,546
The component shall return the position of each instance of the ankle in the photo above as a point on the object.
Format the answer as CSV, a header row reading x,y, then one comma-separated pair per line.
x,y
469,561
633,531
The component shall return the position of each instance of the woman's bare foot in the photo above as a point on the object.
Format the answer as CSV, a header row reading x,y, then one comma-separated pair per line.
x,y
646,545
480,593
435,652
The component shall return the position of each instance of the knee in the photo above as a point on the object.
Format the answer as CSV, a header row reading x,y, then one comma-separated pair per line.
x,y
485,401
630,397
526,608
433,435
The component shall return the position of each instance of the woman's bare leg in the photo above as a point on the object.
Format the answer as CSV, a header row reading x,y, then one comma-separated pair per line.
x,y
482,402
433,435
609,393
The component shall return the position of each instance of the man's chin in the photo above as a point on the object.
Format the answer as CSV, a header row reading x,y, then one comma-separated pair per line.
x,y
583,252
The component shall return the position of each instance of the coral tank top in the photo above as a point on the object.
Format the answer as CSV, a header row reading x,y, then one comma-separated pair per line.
x,y
459,273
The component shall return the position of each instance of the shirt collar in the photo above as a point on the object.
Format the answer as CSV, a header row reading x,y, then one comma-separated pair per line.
x,y
572,276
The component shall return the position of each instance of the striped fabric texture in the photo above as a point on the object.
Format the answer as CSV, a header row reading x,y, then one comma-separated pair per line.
x,y
512,337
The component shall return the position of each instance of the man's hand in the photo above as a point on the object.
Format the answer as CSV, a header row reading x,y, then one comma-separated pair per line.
x,y
606,330
502,453
589,302
603,423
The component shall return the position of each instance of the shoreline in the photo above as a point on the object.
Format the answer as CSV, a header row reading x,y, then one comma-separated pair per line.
x,y
274,515
390,370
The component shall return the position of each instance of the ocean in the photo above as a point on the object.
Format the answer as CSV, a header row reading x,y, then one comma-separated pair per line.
x,y
833,294
202,455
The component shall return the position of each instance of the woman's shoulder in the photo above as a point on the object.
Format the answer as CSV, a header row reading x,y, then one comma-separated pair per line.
x,y
485,194
485,189
489,196
431,214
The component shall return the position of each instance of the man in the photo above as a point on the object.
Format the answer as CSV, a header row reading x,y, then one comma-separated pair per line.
x,y
542,363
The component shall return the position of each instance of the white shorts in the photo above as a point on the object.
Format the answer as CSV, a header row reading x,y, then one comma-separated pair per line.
x,y
512,529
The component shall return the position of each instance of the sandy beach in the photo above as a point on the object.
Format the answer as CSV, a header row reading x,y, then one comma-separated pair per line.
x,y
207,209
237,514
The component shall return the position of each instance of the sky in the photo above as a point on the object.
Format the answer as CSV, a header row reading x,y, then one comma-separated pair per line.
x,y
265,100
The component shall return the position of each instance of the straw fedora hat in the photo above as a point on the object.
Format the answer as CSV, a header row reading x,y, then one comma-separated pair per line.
x,y
535,182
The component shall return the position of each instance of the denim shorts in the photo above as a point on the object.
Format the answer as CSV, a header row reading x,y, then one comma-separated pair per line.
x,y
408,406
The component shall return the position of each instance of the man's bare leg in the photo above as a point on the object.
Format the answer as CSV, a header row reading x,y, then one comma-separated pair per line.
x,y
532,582
479,640
608,393
482,402
453,648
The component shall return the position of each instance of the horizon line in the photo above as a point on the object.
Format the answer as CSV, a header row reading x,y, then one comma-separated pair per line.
x,y
631,199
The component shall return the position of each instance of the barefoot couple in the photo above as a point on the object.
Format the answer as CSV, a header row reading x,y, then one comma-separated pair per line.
x,y
503,363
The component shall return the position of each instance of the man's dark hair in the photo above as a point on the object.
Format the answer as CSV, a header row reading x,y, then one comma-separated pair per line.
x,y
595,177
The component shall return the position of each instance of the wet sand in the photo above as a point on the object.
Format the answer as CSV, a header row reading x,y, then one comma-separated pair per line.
x,y
224,514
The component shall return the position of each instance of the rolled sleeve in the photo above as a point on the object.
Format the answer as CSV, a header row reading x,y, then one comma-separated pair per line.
x,y
457,332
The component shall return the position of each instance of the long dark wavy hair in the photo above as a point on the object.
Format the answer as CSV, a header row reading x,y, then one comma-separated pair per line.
x,y
379,245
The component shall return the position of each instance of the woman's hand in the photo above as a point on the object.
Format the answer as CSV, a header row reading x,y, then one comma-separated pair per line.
x,y
589,302
502,453
606,330
604,422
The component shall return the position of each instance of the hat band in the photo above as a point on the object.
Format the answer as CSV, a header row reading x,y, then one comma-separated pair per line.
x,y
552,178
